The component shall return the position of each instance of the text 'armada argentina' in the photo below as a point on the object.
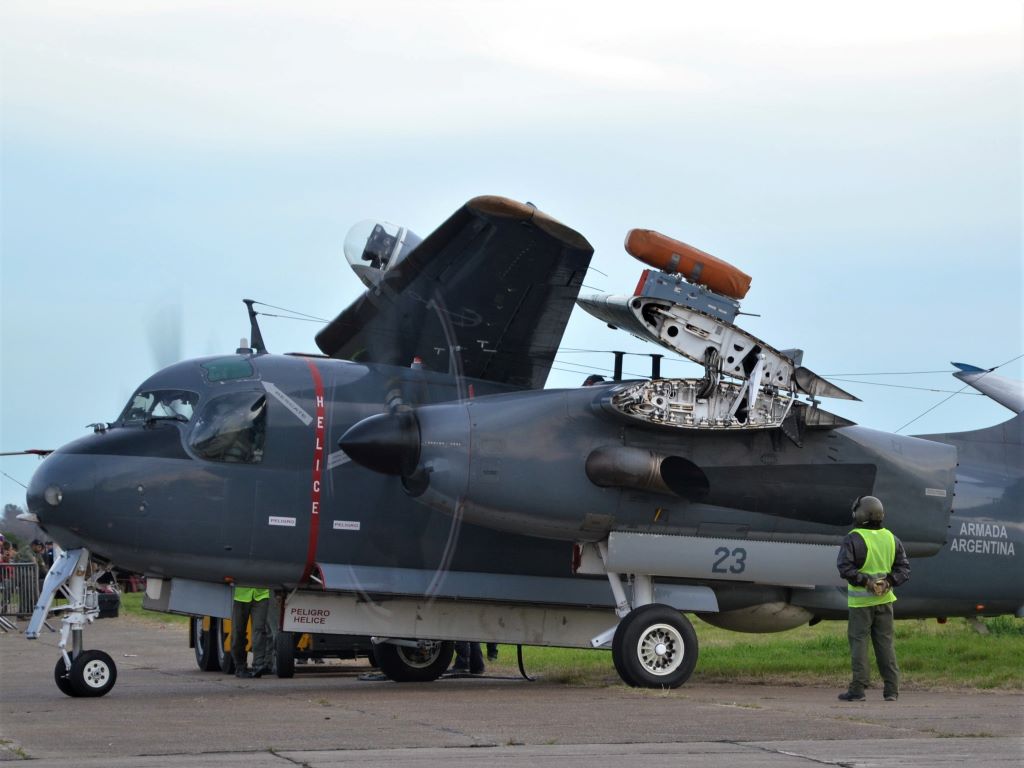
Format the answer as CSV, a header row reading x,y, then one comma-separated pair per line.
x,y
988,539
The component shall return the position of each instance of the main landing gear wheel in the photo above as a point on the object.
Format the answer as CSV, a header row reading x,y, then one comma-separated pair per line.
x,y
655,646
92,674
414,665
205,643
284,653
224,659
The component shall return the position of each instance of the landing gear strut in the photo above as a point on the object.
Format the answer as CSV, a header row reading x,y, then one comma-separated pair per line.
x,y
78,672
653,645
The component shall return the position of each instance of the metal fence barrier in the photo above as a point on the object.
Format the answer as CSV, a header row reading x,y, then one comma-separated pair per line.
x,y
19,589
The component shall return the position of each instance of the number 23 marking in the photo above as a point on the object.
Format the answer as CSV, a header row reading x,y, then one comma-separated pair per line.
x,y
738,566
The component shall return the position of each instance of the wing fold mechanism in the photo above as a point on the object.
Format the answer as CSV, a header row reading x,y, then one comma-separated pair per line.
x,y
747,383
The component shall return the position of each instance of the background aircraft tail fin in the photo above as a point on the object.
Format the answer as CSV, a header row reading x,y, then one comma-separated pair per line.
x,y
1006,392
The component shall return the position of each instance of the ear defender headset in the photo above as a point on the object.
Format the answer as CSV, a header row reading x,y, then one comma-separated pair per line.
x,y
867,509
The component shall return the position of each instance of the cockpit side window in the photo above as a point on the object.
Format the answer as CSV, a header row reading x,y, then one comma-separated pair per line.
x,y
232,428
158,404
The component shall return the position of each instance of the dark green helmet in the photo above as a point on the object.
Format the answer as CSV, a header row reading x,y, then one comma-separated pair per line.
x,y
868,509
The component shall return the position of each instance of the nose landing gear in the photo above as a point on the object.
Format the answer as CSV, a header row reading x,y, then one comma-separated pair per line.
x,y
78,672
92,673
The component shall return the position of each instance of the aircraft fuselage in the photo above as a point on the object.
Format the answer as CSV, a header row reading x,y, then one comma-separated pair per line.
x,y
504,487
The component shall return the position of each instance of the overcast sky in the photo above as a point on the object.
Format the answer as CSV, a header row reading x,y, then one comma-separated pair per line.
x,y
163,160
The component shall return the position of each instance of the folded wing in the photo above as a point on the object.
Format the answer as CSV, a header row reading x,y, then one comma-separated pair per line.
x,y
487,295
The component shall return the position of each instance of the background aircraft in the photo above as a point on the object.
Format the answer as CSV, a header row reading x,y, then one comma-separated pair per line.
x,y
417,483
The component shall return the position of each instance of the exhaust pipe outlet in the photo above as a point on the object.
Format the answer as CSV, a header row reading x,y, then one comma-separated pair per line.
x,y
620,466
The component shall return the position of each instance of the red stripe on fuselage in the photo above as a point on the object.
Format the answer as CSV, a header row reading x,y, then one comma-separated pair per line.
x,y
318,464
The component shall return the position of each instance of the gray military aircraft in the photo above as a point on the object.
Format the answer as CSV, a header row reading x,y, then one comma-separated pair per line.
x,y
415,482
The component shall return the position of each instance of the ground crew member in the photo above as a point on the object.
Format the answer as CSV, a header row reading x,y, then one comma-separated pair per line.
x,y
264,653
249,603
468,658
873,561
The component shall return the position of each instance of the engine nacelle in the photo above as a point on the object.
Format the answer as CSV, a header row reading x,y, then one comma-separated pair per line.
x,y
553,464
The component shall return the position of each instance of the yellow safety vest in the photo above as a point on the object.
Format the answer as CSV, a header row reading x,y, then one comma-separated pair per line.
x,y
878,562
251,594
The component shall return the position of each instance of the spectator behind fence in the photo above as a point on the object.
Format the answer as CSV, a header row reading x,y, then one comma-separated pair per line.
x,y
7,555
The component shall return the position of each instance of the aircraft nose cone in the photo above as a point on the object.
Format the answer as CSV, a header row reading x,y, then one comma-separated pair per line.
x,y
388,443
60,495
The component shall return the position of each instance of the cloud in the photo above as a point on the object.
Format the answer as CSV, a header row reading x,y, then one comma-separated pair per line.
x,y
257,73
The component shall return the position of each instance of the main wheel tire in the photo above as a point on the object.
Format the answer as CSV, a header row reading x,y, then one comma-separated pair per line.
x,y
224,659
284,653
60,676
93,673
617,651
414,665
656,646
204,643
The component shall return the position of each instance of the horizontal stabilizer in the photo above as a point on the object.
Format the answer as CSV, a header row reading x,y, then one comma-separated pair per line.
x,y
1006,392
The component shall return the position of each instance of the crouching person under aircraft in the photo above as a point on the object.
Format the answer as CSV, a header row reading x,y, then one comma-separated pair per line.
x,y
873,561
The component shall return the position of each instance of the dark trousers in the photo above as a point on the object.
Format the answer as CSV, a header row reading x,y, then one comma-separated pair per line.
x,y
240,615
468,656
872,622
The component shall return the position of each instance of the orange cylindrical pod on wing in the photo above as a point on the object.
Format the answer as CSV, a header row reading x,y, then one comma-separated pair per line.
x,y
675,256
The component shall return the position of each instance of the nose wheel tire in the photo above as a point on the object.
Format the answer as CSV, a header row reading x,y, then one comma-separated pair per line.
x,y
414,665
92,674
655,646
60,676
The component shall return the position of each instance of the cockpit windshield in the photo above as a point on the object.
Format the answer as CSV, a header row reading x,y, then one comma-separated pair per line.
x,y
152,405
